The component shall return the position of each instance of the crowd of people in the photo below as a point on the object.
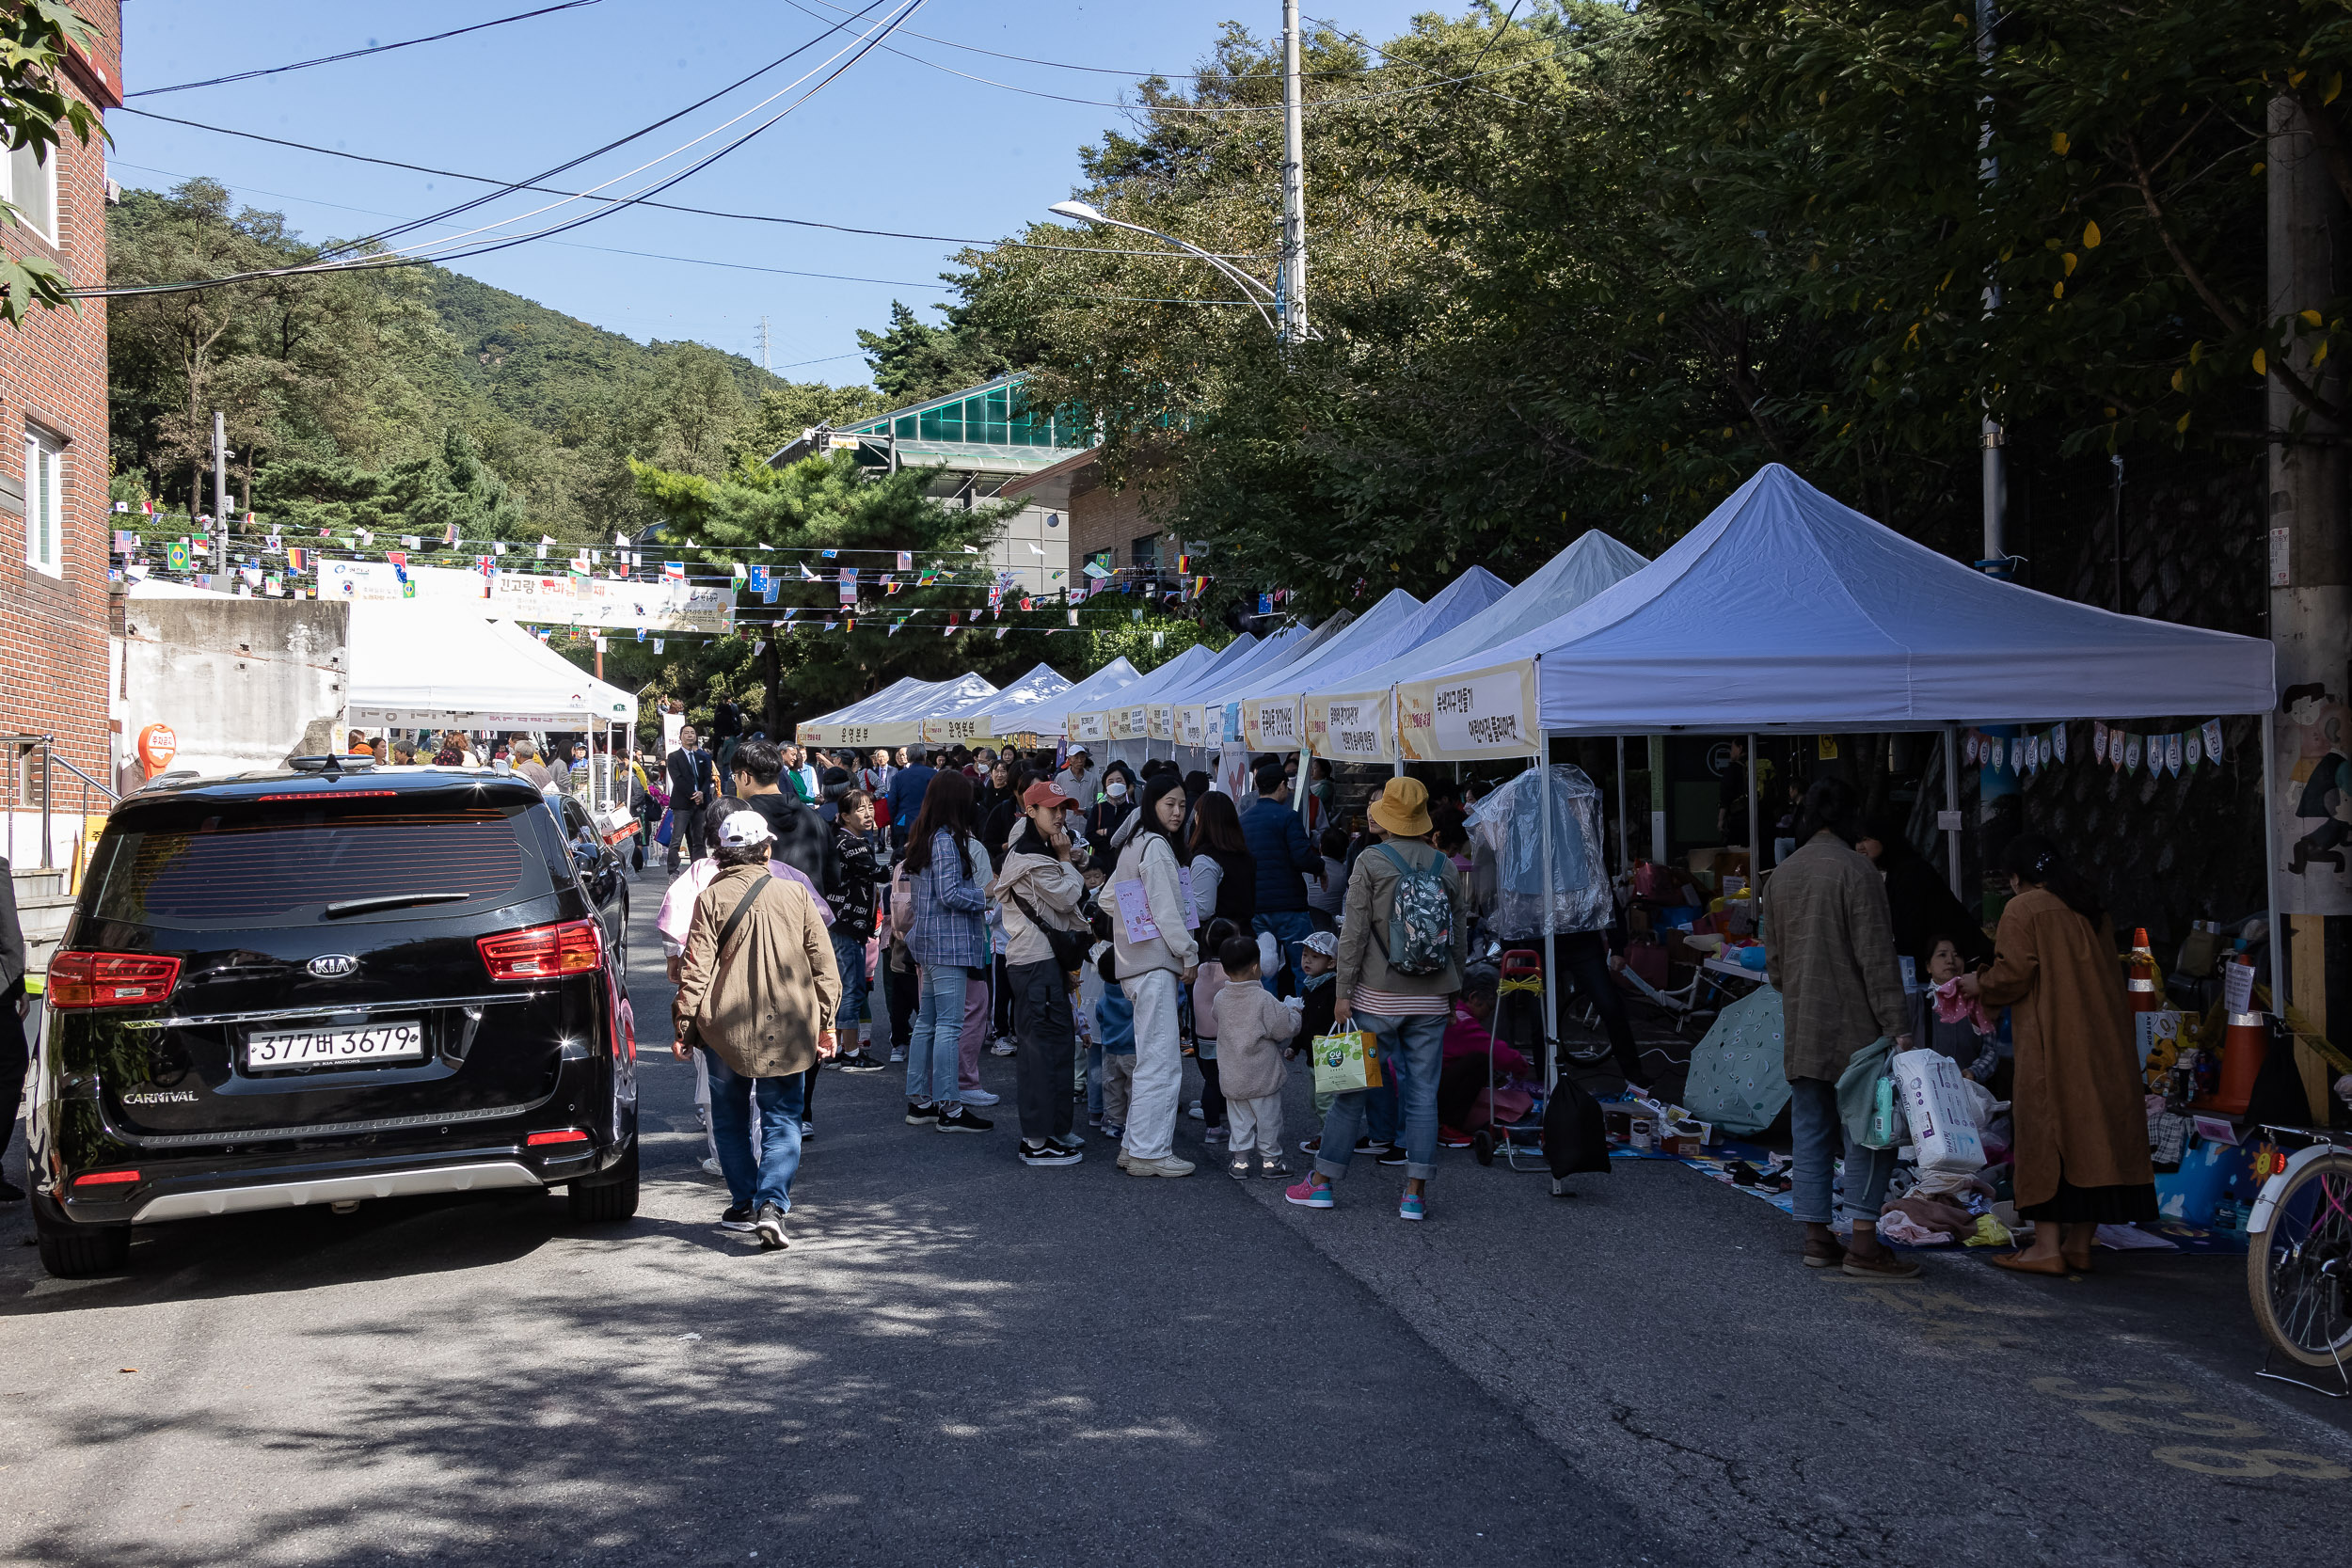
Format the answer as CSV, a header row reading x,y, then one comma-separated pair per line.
x,y
1103,927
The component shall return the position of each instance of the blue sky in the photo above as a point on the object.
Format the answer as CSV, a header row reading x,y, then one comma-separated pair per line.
x,y
893,144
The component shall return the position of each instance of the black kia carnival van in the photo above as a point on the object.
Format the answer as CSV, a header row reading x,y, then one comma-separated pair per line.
x,y
324,987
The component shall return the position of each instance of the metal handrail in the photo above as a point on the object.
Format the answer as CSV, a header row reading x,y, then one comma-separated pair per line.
x,y
47,747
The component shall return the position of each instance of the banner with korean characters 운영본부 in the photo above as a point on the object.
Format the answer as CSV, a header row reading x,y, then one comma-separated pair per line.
x,y
1481,713
1354,727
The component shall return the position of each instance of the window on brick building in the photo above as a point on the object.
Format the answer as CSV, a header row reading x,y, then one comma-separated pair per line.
x,y
32,189
44,503
1146,553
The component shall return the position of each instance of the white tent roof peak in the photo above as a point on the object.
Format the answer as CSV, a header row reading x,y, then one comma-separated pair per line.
x,y
1784,607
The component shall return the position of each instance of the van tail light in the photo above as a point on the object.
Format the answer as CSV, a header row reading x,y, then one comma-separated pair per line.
x,y
110,979
568,1135
542,952
104,1178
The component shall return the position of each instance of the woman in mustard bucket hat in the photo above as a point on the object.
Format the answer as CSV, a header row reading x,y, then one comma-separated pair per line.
x,y
1403,942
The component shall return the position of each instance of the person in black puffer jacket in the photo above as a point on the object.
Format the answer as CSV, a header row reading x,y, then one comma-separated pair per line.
x,y
859,874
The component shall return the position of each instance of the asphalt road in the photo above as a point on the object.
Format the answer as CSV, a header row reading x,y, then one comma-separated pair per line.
x,y
960,1360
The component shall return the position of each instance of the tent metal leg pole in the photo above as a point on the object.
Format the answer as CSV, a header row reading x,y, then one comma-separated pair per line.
x,y
2270,870
1951,803
1756,851
1551,988
1624,835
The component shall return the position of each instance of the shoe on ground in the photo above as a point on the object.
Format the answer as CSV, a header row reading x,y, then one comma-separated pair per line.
x,y
1823,1255
1000,1046
920,1114
1412,1206
1095,1119
1215,1136
771,1227
1273,1167
979,1096
1448,1138
1114,1130
1165,1165
859,1063
1392,1154
1239,1169
1049,1154
736,1218
1194,1113
1882,1264
958,1118
1070,1140
1307,1194
897,1053
1121,1161
710,1165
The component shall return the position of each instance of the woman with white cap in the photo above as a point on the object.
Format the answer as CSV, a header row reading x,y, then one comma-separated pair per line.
x,y
756,993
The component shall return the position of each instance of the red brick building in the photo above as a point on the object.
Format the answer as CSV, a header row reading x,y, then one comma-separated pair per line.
x,y
54,465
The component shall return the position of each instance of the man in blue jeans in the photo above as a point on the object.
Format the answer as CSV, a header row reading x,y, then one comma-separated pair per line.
x,y
1277,844
1404,1008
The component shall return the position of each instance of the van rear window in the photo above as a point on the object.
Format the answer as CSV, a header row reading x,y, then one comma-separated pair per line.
x,y
227,864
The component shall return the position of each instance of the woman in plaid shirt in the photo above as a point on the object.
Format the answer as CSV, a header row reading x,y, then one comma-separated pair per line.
x,y
948,939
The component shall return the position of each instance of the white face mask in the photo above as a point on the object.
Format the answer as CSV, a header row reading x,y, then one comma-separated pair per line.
x,y
1116,788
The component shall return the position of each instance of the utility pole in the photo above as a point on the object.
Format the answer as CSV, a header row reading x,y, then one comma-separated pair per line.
x,y
763,346
1291,286
220,474
1996,475
2309,564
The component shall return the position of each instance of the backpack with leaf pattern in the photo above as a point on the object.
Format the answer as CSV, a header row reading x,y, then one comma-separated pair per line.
x,y
1421,916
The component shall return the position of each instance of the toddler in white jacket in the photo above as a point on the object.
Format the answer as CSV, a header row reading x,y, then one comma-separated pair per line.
x,y
1252,1027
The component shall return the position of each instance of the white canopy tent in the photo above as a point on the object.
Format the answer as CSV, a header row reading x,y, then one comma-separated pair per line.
x,y
1128,719
974,718
1365,717
1205,716
1289,719
425,663
1160,717
1069,713
899,719
1785,610
819,730
1273,725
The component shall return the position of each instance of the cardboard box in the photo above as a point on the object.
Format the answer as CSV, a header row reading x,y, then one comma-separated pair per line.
x,y
1686,1139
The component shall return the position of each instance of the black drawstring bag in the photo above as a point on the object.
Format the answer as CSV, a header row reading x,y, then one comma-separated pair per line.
x,y
1576,1141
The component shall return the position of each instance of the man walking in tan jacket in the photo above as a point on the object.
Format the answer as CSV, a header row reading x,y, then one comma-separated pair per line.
x,y
756,993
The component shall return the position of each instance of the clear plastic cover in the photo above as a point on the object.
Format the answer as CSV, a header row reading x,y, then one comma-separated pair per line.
x,y
1507,826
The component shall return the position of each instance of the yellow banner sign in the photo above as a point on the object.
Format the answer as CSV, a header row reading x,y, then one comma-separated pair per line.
x,y
1485,713
1351,728
1129,723
1270,723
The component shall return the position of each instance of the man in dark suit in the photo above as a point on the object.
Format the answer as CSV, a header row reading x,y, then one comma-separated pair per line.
x,y
694,784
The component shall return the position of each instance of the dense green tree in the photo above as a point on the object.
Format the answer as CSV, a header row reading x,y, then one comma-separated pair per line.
x,y
36,111
913,360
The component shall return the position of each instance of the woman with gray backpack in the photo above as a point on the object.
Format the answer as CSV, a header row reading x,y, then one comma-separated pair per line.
x,y
1403,942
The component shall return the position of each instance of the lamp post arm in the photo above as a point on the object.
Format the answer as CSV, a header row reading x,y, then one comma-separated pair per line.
x,y
1251,288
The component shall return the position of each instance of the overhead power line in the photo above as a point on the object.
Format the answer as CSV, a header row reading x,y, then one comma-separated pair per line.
x,y
855,52
354,53
661,206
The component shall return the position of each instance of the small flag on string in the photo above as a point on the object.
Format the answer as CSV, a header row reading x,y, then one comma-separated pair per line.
x,y
641,634
2099,741
2131,753
890,585
2213,738
971,550
737,575
757,576
1136,614
849,585
1000,632
767,594
1073,617
1025,604
546,543
790,610
2193,747
759,647
656,644
1034,548
674,571
1159,640
829,626
599,642
2058,739
2172,754
448,535
906,561
498,547
806,576
896,625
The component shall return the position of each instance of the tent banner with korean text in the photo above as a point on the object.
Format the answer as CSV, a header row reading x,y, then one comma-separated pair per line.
x,y
1089,727
1270,723
627,605
1192,723
1481,713
1161,722
1129,722
1351,728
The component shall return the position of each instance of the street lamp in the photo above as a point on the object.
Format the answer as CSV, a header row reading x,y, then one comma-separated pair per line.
x,y
1251,289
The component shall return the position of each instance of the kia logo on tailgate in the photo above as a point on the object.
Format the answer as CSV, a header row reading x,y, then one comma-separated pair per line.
x,y
330,966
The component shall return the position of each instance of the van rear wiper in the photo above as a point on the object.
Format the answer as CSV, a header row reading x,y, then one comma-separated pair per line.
x,y
391,901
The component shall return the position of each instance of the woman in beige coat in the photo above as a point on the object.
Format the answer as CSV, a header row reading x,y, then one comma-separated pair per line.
x,y
2082,1123
756,993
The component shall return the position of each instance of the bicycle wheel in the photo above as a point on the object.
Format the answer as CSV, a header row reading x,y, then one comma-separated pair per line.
x,y
2299,1271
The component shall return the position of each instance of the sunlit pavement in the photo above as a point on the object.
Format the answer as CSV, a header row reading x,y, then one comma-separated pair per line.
x,y
961,1360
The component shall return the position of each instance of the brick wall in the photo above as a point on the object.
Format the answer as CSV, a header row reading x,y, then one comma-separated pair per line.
x,y
1102,518
53,375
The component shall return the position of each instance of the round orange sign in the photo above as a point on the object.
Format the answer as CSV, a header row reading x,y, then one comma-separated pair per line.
x,y
157,747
